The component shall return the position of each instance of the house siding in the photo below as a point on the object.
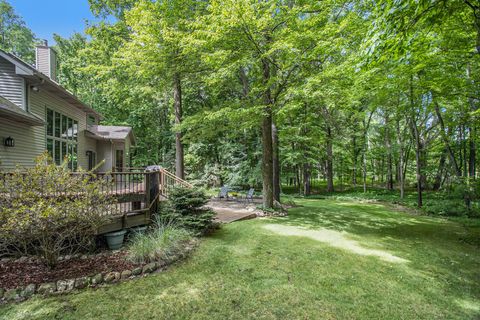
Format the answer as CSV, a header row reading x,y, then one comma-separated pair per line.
x,y
105,153
12,86
53,67
26,146
30,141
43,60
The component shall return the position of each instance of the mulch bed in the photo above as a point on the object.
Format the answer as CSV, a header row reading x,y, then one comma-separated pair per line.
x,y
14,274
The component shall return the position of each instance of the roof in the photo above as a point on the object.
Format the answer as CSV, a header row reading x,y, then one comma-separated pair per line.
x,y
110,132
13,112
26,70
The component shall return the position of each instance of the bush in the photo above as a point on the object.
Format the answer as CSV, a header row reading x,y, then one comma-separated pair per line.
x,y
446,207
48,211
165,242
186,206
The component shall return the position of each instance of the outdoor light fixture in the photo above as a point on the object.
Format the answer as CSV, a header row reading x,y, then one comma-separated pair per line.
x,y
35,89
9,142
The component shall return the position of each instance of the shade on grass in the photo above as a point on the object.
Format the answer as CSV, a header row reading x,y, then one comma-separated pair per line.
x,y
279,268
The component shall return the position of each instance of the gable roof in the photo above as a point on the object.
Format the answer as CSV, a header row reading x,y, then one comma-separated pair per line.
x,y
11,111
26,70
110,132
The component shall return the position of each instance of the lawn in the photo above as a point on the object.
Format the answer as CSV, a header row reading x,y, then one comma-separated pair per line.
x,y
329,259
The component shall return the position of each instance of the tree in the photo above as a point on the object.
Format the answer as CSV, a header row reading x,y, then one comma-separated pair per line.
x,y
15,36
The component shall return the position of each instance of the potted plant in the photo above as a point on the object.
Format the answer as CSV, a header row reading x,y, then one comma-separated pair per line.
x,y
115,239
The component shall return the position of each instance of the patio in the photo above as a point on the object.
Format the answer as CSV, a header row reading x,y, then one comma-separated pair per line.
x,y
235,209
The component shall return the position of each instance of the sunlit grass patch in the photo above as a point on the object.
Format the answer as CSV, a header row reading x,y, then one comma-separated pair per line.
x,y
335,239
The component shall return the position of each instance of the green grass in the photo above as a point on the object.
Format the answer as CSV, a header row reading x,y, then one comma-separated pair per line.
x,y
441,203
254,269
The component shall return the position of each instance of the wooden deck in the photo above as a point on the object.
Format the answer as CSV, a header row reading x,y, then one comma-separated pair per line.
x,y
135,195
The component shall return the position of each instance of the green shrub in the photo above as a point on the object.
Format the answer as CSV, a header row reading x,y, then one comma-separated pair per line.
x,y
446,207
165,242
186,206
48,211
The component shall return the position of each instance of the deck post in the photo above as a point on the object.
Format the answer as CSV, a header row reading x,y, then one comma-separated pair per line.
x,y
152,188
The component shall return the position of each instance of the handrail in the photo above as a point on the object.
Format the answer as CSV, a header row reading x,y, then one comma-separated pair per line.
x,y
176,179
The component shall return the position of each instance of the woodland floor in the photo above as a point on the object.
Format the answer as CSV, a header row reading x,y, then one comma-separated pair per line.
x,y
329,259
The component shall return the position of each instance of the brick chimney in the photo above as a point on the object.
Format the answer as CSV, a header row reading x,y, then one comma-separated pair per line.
x,y
46,60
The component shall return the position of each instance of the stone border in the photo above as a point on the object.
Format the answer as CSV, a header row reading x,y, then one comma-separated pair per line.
x,y
61,258
101,279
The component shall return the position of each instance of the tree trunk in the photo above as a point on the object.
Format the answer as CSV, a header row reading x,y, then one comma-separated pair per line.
x,y
267,143
306,179
177,102
423,163
366,125
464,149
297,179
418,160
416,138
330,187
355,156
400,161
472,154
441,167
473,127
444,136
276,164
388,146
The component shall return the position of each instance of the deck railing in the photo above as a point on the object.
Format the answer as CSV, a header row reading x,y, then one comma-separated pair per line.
x,y
133,192
168,181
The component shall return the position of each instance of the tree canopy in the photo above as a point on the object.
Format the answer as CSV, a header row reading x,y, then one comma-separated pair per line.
x,y
289,94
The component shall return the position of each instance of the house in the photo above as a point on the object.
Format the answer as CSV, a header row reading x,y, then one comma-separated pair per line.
x,y
37,114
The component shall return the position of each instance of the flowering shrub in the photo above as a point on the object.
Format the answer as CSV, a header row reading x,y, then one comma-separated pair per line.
x,y
47,210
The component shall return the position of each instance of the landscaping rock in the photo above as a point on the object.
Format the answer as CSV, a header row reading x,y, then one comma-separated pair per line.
x,y
97,279
149,268
137,271
112,277
28,291
4,260
125,274
13,294
67,257
47,288
65,285
82,282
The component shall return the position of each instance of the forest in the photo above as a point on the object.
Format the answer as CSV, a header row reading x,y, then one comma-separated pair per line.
x,y
376,98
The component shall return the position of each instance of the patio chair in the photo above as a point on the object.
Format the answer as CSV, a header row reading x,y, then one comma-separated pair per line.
x,y
223,193
249,195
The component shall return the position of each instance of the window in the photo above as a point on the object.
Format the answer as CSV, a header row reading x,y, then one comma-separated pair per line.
x,y
91,120
49,122
92,159
62,138
119,160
